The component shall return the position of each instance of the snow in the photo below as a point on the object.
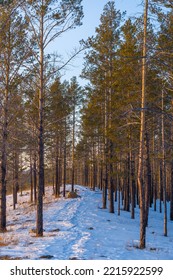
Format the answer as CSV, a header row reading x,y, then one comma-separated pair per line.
x,y
80,229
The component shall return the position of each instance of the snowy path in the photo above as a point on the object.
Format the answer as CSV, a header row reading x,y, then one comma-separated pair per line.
x,y
61,219
80,229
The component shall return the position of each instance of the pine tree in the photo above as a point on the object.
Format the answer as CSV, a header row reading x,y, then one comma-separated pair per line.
x,y
128,78
12,55
142,135
100,68
75,96
47,20
57,111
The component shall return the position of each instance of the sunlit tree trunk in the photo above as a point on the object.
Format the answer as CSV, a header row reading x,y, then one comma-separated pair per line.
x,y
164,169
105,185
35,177
140,180
148,180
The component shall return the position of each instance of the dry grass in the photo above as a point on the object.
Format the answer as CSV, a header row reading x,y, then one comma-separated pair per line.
x,y
6,257
2,243
72,195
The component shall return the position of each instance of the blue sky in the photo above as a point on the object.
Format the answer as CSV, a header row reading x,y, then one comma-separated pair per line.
x,y
92,11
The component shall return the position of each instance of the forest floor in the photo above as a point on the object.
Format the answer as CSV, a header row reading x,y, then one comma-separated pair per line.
x,y
80,229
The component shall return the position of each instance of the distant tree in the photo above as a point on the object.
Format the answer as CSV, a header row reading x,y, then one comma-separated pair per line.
x,y
100,68
128,79
164,62
17,137
75,96
57,111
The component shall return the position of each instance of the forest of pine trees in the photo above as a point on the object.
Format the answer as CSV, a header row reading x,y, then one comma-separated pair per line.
x,y
115,133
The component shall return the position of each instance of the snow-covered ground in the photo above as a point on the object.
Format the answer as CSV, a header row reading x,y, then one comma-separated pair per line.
x,y
79,229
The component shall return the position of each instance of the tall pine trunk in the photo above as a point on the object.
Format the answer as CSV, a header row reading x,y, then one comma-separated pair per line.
x,y
171,193
31,178
132,185
111,185
171,183
4,155
35,177
73,147
4,167
148,180
140,179
57,169
164,169
65,155
16,178
39,222
105,185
